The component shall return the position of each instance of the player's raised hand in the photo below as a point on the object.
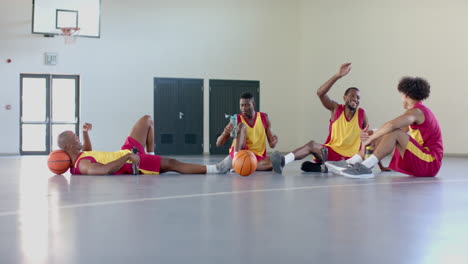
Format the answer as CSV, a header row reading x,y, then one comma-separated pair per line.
x,y
344,69
87,127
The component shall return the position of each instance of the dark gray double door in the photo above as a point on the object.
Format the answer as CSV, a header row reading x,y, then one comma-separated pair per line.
x,y
178,116
178,113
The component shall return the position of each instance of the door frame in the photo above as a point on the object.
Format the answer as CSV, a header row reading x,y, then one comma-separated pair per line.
x,y
48,121
157,120
230,98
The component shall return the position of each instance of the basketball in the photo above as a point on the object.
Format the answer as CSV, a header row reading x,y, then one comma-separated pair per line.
x,y
59,161
244,163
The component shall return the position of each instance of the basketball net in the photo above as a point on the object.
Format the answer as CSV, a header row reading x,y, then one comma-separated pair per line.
x,y
69,34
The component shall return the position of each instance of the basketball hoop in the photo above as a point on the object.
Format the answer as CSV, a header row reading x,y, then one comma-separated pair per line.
x,y
69,34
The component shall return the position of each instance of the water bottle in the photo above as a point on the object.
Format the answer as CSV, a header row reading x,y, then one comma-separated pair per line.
x,y
134,166
368,152
234,126
233,121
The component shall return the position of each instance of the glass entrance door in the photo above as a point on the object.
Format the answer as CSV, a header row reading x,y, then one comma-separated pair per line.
x,y
49,105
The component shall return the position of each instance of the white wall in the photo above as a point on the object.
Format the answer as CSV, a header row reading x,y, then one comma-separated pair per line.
x,y
386,40
140,40
292,47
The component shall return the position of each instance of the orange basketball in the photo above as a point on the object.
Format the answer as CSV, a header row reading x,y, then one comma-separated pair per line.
x,y
59,161
244,163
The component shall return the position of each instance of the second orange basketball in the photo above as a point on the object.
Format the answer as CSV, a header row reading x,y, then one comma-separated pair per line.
x,y
244,163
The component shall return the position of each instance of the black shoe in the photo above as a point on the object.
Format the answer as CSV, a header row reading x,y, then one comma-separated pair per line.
x,y
324,151
308,166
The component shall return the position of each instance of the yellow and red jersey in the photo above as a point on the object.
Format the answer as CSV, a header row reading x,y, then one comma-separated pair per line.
x,y
424,151
149,164
344,136
102,157
255,135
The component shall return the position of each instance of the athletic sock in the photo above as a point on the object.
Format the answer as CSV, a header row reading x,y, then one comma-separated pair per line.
x,y
289,158
211,169
150,153
370,162
354,159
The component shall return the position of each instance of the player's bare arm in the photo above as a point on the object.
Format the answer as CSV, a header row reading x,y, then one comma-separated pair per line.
x,y
365,123
86,140
89,168
221,140
272,138
411,116
322,92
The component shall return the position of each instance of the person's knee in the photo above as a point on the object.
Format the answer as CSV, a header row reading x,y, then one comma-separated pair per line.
x,y
311,146
147,118
398,138
396,134
151,122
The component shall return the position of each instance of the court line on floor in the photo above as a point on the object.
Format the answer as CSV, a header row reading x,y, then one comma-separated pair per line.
x,y
199,195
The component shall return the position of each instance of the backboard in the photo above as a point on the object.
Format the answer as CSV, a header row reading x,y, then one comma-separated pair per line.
x,y
49,16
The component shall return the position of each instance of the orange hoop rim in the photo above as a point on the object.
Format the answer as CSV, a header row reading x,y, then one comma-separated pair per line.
x,y
69,31
69,34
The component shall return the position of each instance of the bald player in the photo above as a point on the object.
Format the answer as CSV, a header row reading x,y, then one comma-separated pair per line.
x,y
88,162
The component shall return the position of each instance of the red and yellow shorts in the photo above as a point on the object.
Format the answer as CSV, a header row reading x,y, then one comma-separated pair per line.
x,y
416,161
149,164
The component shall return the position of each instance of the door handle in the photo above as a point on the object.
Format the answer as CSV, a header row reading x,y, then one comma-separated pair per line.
x,y
181,115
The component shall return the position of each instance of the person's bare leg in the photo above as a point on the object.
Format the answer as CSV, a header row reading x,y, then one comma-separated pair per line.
x,y
374,144
264,165
398,139
181,167
150,138
279,161
241,137
141,129
362,152
221,167
311,147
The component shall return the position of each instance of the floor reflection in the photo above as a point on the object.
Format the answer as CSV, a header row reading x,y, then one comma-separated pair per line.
x,y
39,217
